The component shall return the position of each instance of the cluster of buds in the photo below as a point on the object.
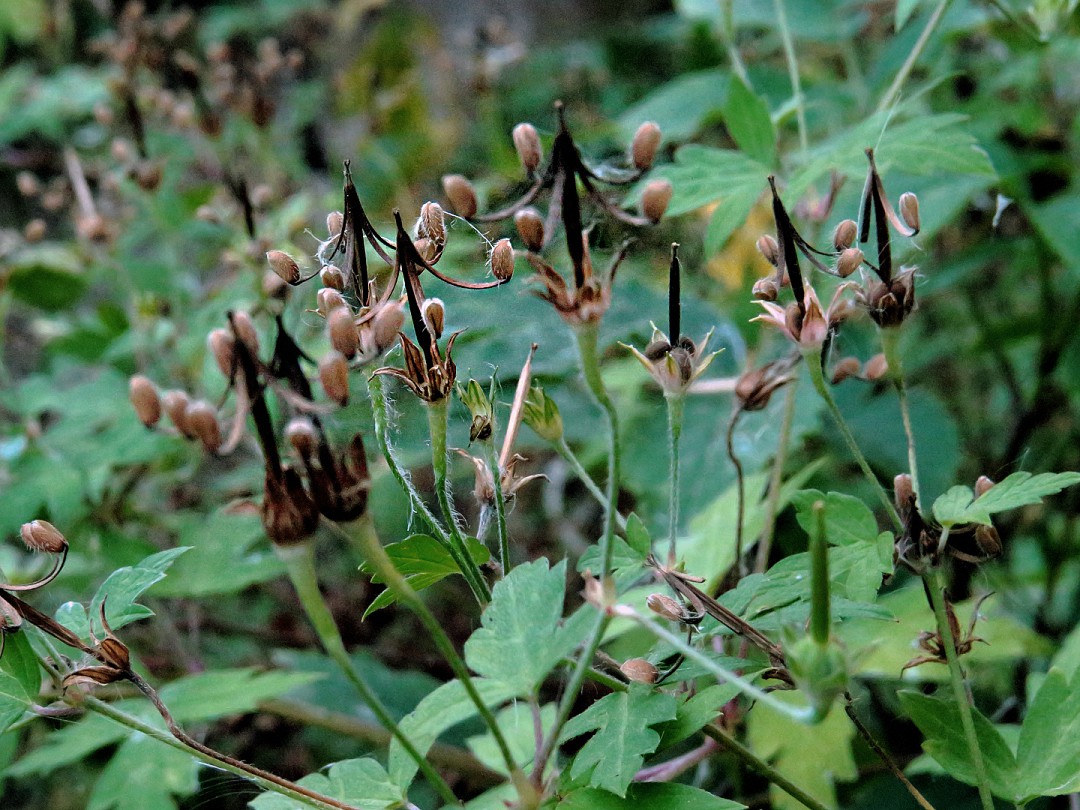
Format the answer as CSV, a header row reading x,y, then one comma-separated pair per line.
x,y
589,296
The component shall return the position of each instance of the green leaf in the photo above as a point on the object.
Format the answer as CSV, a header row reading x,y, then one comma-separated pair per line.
x,y
424,561
651,795
959,505
47,276
904,10
20,678
847,519
123,586
939,721
76,741
362,783
679,107
621,720
747,118
1049,746
694,713
519,729
217,693
522,636
637,536
145,774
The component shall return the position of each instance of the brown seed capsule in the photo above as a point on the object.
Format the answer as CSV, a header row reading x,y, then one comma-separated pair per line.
x,y
332,277
530,226
655,199
844,235
502,260
765,289
768,248
849,262
432,223
244,328
328,300
300,433
983,485
639,670
644,145
284,266
202,421
665,606
848,367
909,210
40,535
876,367
527,143
34,230
433,313
903,491
175,405
335,221
223,346
341,329
334,376
386,324
461,194
145,400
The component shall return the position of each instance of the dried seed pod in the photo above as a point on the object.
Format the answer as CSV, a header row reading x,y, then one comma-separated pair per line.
x,y
40,535
655,199
244,328
876,367
849,262
334,376
665,606
202,421
530,226
433,313
909,210
145,400
527,144
767,246
983,485
223,346
639,670
903,491
644,145
502,260
461,194
335,221
332,277
765,289
844,235
432,223
328,299
300,433
386,324
284,266
175,404
341,328
848,367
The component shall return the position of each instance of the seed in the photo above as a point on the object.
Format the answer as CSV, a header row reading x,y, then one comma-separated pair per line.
x,y
903,491
765,289
876,367
28,184
335,220
909,210
665,606
644,145
461,194
284,266
983,485
300,433
432,223
175,405
223,346
848,367
386,324
655,199
530,226
527,143
844,235
849,262
768,248
332,277
342,331
328,300
202,421
40,535
334,376
639,670
144,398
502,260
433,312
35,229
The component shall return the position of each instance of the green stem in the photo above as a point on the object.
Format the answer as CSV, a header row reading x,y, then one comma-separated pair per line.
x,y
437,416
820,620
935,587
299,562
813,363
675,420
916,51
890,340
793,71
380,561
727,34
563,449
500,506
776,479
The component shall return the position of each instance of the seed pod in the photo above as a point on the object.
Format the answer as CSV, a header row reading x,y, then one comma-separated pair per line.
x,y
433,223
300,433
341,328
334,376
175,405
655,199
40,535
848,367
876,367
844,235
328,299
983,485
284,266
530,226
222,346
639,670
145,400
461,194
665,606
765,289
335,220
909,210
644,145
768,247
332,277
244,328
502,260
903,491
202,421
849,262
527,143
433,313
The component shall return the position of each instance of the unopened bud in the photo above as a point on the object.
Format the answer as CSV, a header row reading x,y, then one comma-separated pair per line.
x,y
175,405
244,328
768,247
432,223
223,346
909,210
328,299
335,221
849,262
144,398
40,535
844,235
530,226
644,145
284,266
876,367
655,199
639,670
203,424
461,194
542,414
983,485
300,433
527,143
334,376
341,328
502,260
765,289
903,491
332,277
848,367
665,606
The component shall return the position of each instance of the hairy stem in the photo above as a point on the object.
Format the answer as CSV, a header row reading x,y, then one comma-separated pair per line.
x,y
563,449
916,51
890,339
500,506
675,420
793,71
